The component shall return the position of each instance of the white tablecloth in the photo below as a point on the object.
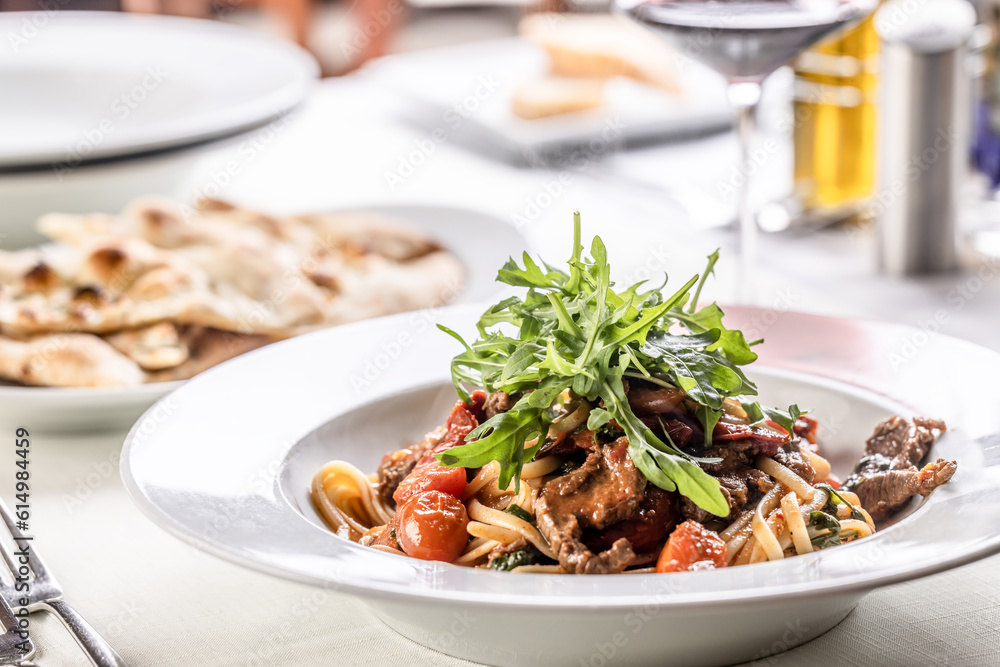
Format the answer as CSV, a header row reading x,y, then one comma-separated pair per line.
x,y
161,602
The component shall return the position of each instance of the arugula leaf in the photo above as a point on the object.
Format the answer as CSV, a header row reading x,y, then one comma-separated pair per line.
x,y
784,419
503,437
731,341
530,276
598,418
662,464
708,418
709,270
707,376
571,331
520,513
508,562
823,521
832,493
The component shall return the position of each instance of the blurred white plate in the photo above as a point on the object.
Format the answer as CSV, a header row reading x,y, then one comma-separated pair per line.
x,y
96,85
480,241
466,92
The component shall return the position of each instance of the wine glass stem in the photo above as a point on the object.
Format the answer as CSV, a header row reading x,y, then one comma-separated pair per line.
x,y
744,97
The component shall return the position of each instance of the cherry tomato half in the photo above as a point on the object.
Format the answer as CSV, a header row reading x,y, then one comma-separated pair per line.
x,y
692,547
388,536
461,422
432,526
431,476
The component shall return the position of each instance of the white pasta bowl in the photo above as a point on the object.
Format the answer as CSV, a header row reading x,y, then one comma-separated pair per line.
x,y
227,464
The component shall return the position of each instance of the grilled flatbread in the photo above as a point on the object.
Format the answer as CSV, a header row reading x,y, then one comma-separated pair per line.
x,y
209,347
155,347
67,360
161,291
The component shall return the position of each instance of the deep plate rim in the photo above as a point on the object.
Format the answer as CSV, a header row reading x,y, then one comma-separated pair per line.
x,y
859,581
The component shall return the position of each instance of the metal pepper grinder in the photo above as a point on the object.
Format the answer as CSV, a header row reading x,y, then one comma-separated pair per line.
x,y
923,132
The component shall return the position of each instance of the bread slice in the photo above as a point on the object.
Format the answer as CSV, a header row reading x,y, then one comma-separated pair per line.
x,y
601,46
557,95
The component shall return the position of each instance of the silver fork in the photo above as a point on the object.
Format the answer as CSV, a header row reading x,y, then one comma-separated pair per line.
x,y
46,594
12,643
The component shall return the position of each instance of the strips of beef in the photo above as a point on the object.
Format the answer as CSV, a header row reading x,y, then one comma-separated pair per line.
x,y
790,455
760,439
680,433
737,476
887,476
497,402
395,466
806,428
884,492
605,490
647,530
656,401
582,440
906,444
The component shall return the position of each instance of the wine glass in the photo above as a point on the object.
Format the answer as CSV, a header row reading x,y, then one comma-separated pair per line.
x,y
745,41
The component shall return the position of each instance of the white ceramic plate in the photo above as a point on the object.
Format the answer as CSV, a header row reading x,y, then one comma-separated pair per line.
x,y
81,409
96,85
465,92
226,469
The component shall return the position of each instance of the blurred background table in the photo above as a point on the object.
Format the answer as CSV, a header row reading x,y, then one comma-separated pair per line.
x,y
161,602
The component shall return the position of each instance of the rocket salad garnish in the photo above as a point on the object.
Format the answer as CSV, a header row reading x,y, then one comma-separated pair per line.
x,y
572,331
